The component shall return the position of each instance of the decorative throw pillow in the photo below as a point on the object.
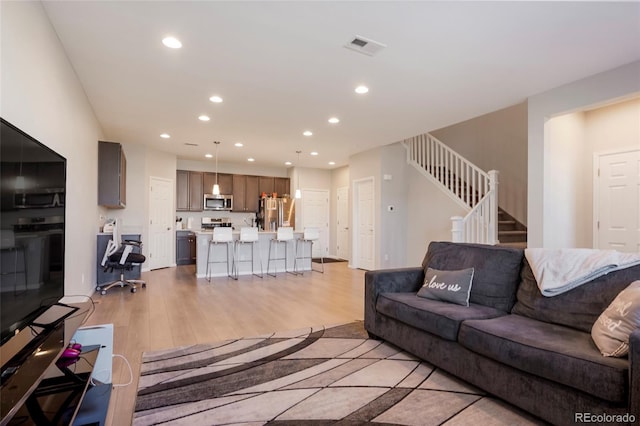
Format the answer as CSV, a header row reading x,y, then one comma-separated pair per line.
x,y
611,331
447,286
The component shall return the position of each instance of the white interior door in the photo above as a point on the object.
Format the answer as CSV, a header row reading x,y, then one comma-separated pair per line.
x,y
161,222
315,214
364,226
617,201
342,223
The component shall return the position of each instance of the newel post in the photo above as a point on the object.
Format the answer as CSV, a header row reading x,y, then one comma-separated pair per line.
x,y
493,207
457,229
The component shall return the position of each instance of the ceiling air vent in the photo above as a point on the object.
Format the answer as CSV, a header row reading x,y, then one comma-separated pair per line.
x,y
364,45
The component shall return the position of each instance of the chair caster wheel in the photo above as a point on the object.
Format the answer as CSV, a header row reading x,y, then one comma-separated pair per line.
x,y
103,292
98,288
133,290
144,285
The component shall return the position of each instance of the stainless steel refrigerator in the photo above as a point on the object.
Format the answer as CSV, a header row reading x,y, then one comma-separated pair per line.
x,y
276,212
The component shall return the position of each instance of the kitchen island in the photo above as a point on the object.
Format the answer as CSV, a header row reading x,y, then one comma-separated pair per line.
x,y
261,254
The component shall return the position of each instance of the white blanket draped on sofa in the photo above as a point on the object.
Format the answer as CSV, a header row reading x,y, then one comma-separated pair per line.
x,y
560,270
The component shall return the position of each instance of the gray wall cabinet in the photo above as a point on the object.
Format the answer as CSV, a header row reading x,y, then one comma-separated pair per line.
x,y
112,175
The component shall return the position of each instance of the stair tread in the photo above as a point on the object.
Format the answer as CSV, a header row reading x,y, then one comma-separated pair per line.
x,y
513,232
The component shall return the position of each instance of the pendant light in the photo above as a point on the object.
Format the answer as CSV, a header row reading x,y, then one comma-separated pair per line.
x,y
298,193
216,187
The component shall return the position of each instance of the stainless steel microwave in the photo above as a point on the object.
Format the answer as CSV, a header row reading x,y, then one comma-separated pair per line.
x,y
218,202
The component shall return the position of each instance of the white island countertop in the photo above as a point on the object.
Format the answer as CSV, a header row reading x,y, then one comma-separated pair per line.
x,y
260,256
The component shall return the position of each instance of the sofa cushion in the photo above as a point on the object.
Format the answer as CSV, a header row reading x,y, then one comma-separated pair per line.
x,y
557,353
578,308
612,329
447,286
496,270
440,318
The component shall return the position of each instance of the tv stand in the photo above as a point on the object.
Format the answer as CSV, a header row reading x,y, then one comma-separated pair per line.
x,y
39,390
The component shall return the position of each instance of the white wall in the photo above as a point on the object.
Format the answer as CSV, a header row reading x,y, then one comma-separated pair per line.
x,y
568,165
617,84
42,96
394,206
573,140
244,169
143,162
496,141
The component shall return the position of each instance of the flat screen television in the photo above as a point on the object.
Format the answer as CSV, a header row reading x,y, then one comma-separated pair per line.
x,y
32,229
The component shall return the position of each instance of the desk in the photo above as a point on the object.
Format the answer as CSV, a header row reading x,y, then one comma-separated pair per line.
x,y
220,269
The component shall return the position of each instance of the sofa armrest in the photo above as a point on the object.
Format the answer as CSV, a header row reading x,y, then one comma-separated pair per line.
x,y
634,373
399,280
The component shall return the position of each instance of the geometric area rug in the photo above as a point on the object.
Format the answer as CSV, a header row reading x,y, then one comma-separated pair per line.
x,y
327,375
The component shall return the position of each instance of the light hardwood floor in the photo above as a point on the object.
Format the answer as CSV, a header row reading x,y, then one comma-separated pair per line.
x,y
177,309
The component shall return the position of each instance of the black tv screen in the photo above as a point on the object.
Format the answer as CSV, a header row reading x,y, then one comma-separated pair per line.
x,y
32,229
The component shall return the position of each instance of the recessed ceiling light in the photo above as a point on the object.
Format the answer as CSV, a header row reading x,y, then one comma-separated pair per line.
x,y
215,99
239,144
307,133
287,163
204,118
332,163
334,120
313,153
208,155
362,89
251,159
172,42
165,136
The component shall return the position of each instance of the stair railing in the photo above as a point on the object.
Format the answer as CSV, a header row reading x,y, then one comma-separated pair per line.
x,y
471,187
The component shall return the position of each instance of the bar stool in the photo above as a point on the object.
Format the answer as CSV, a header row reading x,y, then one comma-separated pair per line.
x,y
309,236
247,236
221,236
284,235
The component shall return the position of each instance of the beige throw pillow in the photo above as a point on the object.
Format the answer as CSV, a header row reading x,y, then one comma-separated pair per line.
x,y
611,331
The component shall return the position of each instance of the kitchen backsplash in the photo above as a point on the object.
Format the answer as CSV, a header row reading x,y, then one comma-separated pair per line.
x,y
237,220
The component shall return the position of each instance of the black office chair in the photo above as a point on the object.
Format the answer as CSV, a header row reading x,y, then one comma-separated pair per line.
x,y
119,255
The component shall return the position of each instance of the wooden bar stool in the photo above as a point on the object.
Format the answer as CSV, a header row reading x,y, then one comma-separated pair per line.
x,y
222,236
247,236
284,235
309,236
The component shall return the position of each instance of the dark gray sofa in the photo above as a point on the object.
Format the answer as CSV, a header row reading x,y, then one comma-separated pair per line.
x,y
533,351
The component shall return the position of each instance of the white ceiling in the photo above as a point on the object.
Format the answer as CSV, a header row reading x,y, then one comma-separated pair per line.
x,y
281,68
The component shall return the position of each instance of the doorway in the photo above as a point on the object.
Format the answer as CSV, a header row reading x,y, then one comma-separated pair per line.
x,y
616,201
364,237
161,222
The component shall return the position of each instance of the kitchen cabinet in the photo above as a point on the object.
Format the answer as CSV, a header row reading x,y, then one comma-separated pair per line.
x,y
282,186
266,184
225,181
245,193
112,175
189,191
196,193
185,248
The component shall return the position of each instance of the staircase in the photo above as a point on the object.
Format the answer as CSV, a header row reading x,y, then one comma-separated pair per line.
x,y
472,188
511,232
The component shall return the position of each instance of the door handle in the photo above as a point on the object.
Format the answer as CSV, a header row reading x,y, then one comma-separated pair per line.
x,y
168,229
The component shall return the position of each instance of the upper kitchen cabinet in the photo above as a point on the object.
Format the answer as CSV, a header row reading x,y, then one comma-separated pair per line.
x,y
225,181
112,175
189,191
266,184
282,186
245,193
